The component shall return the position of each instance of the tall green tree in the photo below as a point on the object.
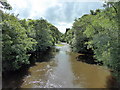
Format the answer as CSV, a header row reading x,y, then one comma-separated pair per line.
x,y
15,43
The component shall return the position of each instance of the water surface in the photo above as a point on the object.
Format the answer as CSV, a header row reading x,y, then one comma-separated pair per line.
x,y
60,71
64,71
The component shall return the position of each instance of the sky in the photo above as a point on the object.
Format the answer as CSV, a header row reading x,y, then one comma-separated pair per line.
x,y
60,13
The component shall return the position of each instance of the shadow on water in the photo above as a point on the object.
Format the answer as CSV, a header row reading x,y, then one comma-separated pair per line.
x,y
111,81
45,56
14,79
88,59
69,71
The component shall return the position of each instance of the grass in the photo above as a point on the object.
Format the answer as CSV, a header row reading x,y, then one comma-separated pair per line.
x,y
59,45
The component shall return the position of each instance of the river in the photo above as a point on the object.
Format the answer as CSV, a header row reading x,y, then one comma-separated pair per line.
x,y
61,71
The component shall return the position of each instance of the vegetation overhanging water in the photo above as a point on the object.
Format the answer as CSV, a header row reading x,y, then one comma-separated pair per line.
x,y
94,34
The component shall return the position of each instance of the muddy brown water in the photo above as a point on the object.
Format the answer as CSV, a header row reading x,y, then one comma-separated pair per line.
x,y
61,71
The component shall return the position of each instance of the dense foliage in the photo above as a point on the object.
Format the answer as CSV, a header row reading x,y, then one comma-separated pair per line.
x,y
19,37
15,43
5,5
99,31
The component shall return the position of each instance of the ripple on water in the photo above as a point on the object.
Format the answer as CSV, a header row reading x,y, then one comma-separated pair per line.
x,y
64,71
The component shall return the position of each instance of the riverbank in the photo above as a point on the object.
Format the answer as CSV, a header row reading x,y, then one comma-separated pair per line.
x,y
62,70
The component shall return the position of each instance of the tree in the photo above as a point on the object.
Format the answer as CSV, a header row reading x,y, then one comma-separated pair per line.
x,y
15,43
5,5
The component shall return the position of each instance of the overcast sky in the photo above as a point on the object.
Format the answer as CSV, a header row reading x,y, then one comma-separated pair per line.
x,y
61,13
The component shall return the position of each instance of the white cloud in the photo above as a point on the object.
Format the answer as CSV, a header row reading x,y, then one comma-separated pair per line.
x,y
62,26
61,13
18,3
36,7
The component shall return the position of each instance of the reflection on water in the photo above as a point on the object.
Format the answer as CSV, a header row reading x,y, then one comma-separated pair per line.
x,y
64,71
